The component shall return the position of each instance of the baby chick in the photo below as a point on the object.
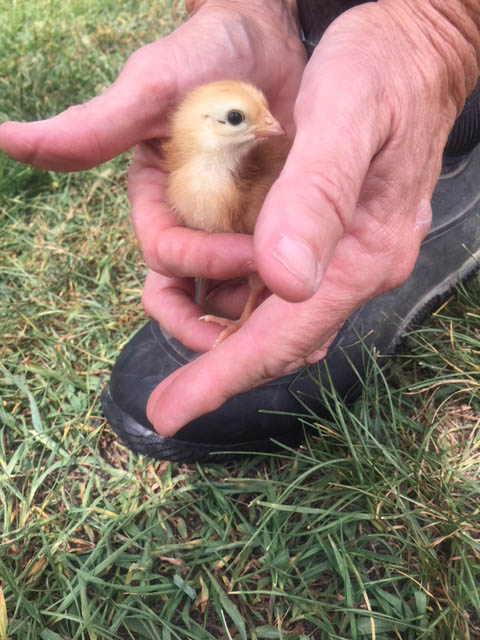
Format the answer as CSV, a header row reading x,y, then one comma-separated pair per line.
x,y
225,151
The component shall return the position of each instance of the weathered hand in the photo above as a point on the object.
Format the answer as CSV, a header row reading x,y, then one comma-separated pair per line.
x,y
345,220
253,40
222,40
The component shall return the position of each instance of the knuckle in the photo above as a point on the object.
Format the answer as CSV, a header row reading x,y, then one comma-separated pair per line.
x,y
81,115
209,257
282,367
211,266
400,266
293,357
142,64
139,60
147,303
151,258
158,257
399,274
388,253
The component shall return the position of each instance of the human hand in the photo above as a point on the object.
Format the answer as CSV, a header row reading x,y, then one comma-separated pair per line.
x,y
363,148
223,40
345,220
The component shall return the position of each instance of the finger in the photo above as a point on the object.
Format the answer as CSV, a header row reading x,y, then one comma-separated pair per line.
x,y
210,380
88,134
174,250
170,302
312,204
319,352
186,253
276,340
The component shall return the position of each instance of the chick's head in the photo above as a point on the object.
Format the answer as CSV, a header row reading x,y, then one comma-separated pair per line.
x,y
225,115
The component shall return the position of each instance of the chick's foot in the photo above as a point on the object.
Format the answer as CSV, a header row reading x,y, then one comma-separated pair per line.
x,y
231,326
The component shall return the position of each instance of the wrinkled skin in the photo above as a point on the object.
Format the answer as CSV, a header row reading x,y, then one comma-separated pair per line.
x,y
370,112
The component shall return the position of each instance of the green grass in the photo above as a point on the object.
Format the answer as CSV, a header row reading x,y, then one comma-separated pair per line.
x,y
370,530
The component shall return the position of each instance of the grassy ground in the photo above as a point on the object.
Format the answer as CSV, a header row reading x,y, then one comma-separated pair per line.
x,y
370,530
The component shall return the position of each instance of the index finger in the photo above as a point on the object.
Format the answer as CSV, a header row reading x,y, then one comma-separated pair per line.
x,y
88,134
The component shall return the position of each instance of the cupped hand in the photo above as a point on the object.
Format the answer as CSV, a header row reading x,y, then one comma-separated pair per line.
x,y
250,40
247,40
344,221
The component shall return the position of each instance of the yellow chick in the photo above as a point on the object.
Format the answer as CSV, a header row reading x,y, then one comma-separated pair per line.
x,y
225,151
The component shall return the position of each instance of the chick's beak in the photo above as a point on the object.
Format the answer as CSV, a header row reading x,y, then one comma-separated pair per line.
x,y
270,127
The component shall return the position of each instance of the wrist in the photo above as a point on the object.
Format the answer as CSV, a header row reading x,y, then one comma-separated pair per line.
x,y
445,32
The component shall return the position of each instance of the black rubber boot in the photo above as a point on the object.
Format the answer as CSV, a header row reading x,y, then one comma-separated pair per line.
x,y
253,421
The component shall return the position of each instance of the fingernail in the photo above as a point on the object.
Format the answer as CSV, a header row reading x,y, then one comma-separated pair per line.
x,y
298,259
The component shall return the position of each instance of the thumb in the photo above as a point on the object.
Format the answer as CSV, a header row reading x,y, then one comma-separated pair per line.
x,y
86,135
311,205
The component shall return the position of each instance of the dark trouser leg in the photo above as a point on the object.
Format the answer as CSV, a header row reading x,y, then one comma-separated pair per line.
x,y
316,15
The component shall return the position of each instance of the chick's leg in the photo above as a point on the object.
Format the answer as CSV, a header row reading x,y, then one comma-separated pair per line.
x,y
201,291
231,326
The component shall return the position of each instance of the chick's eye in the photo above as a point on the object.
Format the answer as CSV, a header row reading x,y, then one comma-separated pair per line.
x,y
235,117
